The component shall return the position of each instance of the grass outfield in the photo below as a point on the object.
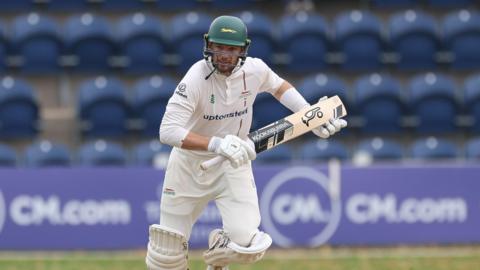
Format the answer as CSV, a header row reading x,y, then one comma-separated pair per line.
x,y
397,258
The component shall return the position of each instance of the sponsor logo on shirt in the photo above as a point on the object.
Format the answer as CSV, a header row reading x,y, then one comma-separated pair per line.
x,y
225,116
181,90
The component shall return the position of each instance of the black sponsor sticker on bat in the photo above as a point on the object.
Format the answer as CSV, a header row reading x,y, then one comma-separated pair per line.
x,y
275,133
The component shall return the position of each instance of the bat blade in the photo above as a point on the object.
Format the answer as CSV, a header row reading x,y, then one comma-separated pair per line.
x,y
291,127
297,124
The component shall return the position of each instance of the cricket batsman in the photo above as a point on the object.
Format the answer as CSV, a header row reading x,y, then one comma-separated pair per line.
x,y
210,114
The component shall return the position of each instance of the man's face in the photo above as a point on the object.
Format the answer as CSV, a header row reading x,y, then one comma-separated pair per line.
x,y
225,57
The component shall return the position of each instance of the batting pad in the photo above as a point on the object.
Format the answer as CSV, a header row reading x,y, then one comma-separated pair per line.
x,y
167,249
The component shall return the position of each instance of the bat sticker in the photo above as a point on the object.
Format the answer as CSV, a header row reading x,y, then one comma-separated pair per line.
x,y
310,114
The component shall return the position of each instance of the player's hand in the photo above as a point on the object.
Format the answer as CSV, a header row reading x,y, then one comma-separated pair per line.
x,y
236,150
331,127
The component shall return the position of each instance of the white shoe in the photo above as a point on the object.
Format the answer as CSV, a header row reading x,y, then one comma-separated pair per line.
x,y
217,239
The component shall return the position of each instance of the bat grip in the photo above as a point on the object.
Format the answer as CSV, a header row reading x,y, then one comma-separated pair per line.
x,y
212,162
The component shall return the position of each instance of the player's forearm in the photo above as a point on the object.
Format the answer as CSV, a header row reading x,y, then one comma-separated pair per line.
x,y
194,141
290,97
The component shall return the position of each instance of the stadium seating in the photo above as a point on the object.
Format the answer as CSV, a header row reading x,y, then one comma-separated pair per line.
x,y
142,42
152,153
380,149
8,157
3,47
187,37
122,5
103,105
472,100
102,153
151,98
266,110
36,39
67,5
280,154
472,149
316,86
414,38
231,4
379,102
358,37
432,148
15,5
462,37
260,33
47,154
177,5
322,150
449,3
303,37
395,3
18,109
433,103
89,39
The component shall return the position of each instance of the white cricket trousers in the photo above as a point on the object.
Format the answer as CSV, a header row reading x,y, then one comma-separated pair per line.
x,y
187,190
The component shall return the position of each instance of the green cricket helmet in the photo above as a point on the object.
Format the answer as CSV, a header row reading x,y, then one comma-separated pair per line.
x,y
227,30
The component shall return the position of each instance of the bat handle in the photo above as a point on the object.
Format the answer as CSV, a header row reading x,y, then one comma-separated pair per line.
x,y
212,162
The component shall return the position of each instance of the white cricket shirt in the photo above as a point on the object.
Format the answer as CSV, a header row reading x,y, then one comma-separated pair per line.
x,y
218,106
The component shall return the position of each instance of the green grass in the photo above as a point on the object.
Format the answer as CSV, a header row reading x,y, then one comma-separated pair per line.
x,y
397,258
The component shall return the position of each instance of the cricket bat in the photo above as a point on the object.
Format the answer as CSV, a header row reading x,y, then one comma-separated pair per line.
x,y
290,127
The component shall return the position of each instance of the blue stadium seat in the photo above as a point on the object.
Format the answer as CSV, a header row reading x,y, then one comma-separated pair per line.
x,y
358,37
89,38
433,102
266,110
8,157
187,36
152,153
472,149
323,150
151,98
260,33
36,39
103,105
279,154
126,5
433,148
413,36
380,149
231,4
449,3
177,5
472,100
142,42
303,37
102,153
379,102
18,109
4,46
67,5
16,5
462,38
395,3
316,86
47,154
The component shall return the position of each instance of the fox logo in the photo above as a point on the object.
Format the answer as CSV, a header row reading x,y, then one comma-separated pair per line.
x,y
228,30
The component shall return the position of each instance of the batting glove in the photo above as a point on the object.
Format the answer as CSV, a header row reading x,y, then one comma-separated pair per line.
x,y
331,127
236,150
